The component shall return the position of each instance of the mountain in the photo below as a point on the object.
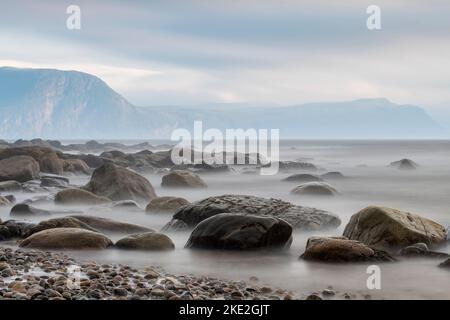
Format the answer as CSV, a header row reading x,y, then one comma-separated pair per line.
x,y
49,103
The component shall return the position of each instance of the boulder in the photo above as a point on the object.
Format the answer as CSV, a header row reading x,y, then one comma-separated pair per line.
x,y
392,229
66,238
333,175
146,241
315,189
8,186
304,218
79,197
46,157
117,183
64,222
404,164
19,168
341,249
182,179
303,177
76,166
240,232
110,226
166,204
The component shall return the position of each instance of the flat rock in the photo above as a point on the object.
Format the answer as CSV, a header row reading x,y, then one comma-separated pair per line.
x,y
79,197
298,217
341,249
110,225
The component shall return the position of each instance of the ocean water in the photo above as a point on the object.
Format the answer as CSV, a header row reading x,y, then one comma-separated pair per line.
x,y
369,181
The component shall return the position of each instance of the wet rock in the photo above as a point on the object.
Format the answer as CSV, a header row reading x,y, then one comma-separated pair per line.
x,y
126,205
315,189
298,217
341,249
4,202
391,229
445,264
12,229
303,178
182,179
53,182
66,238
8,186
404,164
166,204
240,232
79,197
146,241
19,168
117,183
109,225
313,297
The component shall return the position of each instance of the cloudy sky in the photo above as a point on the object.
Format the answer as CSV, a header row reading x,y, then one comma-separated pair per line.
x,y
192,52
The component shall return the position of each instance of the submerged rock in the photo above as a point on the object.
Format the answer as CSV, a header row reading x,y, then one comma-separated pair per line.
x,y
303,177
146,241
166,204
12,229
341,249
53,183
117,183
11,185
240,232
392,229
19,168
292,166
404,164
333,175
79,197
66,238
23,209
315,189
297,216
64,222
182,179
445,264
421,250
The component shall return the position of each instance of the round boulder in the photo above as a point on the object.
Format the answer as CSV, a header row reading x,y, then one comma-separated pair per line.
x,y
315,189
303,178
240,232
146,241
19,168
66,238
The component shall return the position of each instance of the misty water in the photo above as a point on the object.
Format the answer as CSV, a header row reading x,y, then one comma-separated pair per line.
x,y
369,181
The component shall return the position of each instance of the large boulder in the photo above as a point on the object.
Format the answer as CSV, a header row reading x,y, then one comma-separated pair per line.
x,y
117,183
111,226
392,229
11,185
46,157
315,189
166,204
79,197
66,238
303,178
298,217
146,241
341,249
240,232
19,168
404,164
182,179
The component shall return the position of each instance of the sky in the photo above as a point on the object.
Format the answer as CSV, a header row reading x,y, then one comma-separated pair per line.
x,y
280,52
